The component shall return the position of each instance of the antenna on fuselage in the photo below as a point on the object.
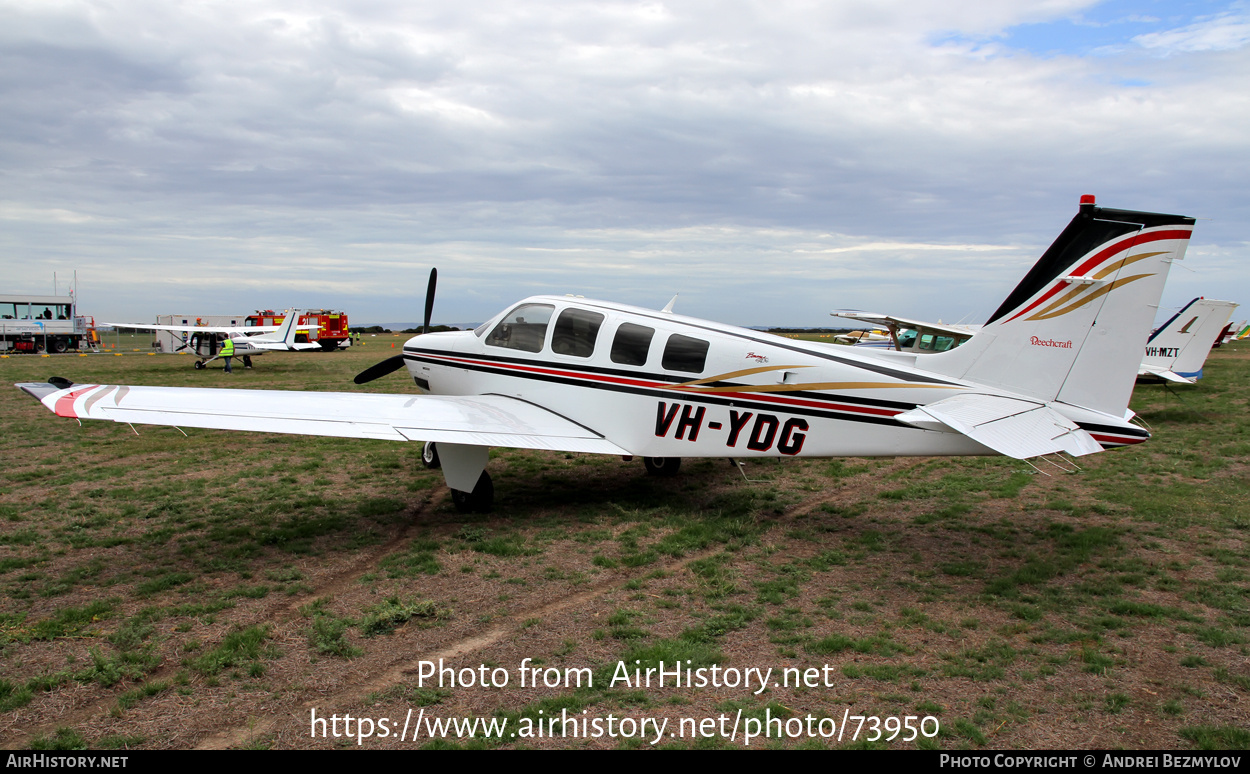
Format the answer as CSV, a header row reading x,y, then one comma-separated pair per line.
x,y
668,308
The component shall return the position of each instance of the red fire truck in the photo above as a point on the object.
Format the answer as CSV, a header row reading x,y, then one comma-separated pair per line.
x,y
330,331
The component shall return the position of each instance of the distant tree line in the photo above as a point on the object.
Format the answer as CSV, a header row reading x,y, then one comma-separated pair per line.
x,y
433,329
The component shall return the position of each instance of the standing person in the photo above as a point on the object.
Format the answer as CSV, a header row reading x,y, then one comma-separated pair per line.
x,y
227,351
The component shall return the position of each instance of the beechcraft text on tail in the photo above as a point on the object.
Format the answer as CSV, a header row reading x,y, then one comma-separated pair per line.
x,y
1051,372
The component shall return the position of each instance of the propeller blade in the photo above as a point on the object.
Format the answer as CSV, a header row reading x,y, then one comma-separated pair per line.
x,y
429,299
380,369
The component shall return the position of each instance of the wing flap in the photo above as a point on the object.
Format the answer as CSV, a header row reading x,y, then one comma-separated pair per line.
x,y
1011,426
486,420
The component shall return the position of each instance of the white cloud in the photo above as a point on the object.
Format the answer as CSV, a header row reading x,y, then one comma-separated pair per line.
x,y
1224,32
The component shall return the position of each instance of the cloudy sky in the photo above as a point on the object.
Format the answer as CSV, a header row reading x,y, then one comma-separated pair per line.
x,y
769,161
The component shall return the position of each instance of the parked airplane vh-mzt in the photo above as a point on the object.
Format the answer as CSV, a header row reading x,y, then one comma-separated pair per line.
x,y
1051,372
206,340
1178,349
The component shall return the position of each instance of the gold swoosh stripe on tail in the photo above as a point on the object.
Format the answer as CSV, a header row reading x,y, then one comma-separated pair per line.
x,y
1099,293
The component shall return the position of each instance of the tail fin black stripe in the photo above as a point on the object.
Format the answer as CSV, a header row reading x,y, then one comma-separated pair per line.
x,y
1171,319
1090,228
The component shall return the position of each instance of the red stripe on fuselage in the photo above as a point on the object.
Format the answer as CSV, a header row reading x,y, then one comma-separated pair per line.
x,y
1123,440
758,396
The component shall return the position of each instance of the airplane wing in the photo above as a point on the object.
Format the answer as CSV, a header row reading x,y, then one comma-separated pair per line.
x,y
204,328
281,346
887,321
484,420
1014,427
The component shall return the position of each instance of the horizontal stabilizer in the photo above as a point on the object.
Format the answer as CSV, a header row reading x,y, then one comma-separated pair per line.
x,y
1011,426
1164,374
483,420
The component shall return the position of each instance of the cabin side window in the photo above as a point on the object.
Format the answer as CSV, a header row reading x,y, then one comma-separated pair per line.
x,y
523,328
631,344
575,333
944,343
683,353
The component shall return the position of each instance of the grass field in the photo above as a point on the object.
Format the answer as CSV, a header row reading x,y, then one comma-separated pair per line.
x,y
212,590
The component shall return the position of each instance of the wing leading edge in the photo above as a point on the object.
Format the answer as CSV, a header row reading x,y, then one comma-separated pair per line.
x,y
484,420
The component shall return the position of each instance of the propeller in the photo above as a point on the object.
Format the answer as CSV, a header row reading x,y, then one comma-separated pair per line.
x,y
395,363
378,370
429,299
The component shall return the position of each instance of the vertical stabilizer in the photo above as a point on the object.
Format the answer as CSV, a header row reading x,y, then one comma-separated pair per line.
x,y
1181,344
1074,328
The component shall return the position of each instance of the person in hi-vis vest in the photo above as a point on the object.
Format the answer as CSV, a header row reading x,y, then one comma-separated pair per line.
x,y
227,352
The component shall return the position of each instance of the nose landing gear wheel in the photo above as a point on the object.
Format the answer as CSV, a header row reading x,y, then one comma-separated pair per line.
x,y
480,500
199,365
662,466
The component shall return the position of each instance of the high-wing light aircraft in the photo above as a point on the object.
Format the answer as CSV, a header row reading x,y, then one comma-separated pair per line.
x,y
1051,372
205,340
864,337
906,335
1177,351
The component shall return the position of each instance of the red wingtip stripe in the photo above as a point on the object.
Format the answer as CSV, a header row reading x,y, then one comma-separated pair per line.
x,y
65,404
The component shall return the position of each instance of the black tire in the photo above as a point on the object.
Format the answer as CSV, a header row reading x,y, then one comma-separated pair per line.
x,y
480,500
199,365
329,345
662,466
59,345
429,456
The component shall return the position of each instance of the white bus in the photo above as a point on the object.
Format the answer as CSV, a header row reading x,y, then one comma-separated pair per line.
x,y
44,324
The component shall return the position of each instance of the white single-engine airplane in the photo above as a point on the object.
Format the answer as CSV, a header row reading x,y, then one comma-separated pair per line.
x,y
205,340
1051,372
1177,351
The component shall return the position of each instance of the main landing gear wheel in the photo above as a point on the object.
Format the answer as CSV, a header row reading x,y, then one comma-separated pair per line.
x,y
429,456
662,466
199,365
480,500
